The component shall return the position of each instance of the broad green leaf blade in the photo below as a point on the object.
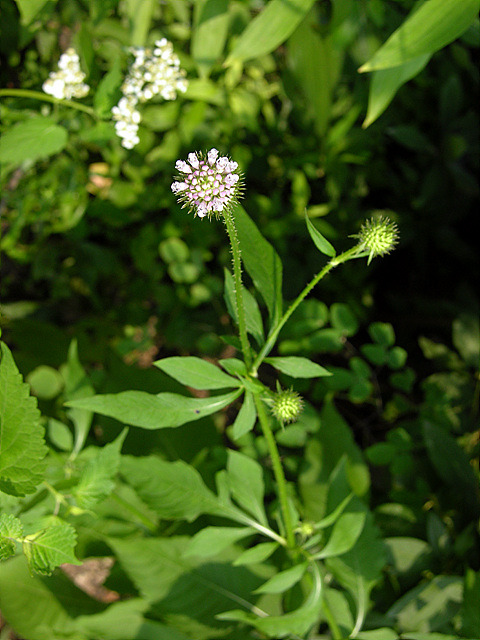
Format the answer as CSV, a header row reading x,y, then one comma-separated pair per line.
x,y
22,447
245,479
257,554
196,373
211,541
179,586
11,530
322,244
430,28
108,91
345,534
98,477
32,139
252,311
269,29
49,548
298,367
148,411
209,33
261,262
246,417
283,580
386,82
30,8
174,490
120,620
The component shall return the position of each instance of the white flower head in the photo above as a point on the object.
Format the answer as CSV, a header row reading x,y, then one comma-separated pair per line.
x,y
68,81
208,184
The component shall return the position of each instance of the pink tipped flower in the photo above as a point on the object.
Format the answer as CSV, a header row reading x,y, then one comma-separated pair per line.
x,y
208,184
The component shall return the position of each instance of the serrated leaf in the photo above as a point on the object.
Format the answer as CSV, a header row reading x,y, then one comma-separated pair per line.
x,y
269,29
257,554
31,140
22,447
148,411
49,548
246,417
245,479
298,367
211,541
252,312
322,244
98,477
174,490
261,262
11,530
431,27
196,373
283,580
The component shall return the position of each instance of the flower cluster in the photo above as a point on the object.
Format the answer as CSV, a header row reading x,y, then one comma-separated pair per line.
x,y
153,72
67,82
208,185
378,236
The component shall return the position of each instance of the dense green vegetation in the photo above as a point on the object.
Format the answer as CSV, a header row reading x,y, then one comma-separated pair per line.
x,y
224,468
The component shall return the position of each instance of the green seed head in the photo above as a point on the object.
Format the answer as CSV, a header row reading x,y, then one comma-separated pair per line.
x,y
378,236
287,405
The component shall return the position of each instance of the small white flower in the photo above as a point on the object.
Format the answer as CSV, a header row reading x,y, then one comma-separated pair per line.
x,y
68,81
207,185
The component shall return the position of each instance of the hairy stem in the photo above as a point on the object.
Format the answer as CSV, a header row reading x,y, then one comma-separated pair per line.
x,y
237,275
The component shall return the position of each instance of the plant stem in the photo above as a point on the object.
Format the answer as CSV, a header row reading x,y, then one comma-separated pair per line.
x,y
277,470
336,633
237,275
272,338
44,97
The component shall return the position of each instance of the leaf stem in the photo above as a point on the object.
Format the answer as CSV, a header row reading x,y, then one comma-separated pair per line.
x,y
237,275
277,470
272,338
44,97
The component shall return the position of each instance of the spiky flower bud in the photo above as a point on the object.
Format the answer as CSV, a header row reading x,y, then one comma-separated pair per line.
x,y
286,406
209,184
378,236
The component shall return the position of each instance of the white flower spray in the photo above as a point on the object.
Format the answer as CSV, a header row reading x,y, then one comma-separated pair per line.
x,y
68,81
154,72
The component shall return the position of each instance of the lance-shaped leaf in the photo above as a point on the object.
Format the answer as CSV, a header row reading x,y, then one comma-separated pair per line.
x,y
322,244
148,411
283,580
269,29
298,367
257,554
261,262
49,548
345,533
252,312
209,33
11,530
196,373
246,417
245,479
211,541
22,447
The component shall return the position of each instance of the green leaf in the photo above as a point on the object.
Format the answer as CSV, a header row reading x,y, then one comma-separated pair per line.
x,y
322,244
257,554
431,27
246,417
470,610
298,367
49,548
45,382
209,33
345,533
196,373
32,139
245,479
382,333
22,447
283,580
148,411
261,262
211,541
108,91
120,620
252,311
98,477
429,606
174,490
386,82
30,8
11,530
269,29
